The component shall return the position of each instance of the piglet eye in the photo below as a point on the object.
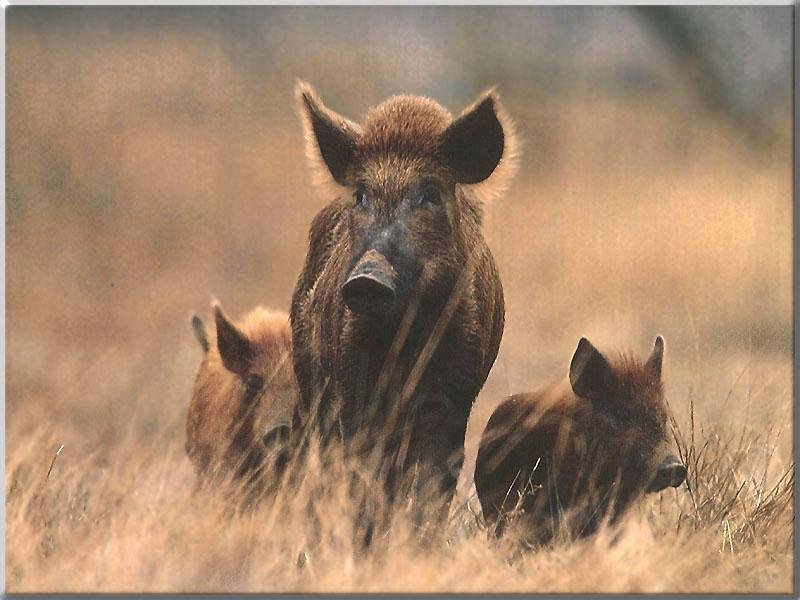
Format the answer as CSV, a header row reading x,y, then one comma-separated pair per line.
x,y
276,435
253,385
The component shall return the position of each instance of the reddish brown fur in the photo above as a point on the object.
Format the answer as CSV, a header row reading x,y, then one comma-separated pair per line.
x,y
226,426
347,364
594,456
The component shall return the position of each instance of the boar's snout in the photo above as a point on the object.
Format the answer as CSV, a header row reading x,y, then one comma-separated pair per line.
x,y
671,473
370,287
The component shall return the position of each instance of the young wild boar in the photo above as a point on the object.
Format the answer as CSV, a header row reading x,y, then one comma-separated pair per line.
x,y
240,413
398,312
567,457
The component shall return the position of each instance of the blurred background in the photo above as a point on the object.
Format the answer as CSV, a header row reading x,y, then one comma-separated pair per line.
x,y
155,158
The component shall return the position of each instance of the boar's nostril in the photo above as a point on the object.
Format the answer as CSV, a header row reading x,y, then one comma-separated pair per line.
x,y
670,474
678,475
369,291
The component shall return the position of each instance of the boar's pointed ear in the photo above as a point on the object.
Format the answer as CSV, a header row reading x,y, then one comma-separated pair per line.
x,y
590,374
233,345
657,356
200,332
473,144
328,136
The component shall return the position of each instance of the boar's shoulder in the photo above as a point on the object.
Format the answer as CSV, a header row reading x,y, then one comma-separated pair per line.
x,y
322,238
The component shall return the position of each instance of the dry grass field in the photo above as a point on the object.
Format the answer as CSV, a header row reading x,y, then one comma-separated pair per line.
x,y
148,172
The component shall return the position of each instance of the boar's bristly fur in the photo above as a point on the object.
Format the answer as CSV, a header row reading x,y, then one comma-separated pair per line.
x,y
398,312
562,460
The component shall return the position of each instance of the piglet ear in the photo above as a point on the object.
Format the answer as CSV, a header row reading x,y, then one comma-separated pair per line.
x,y
200,332
590,374
473,144
234,347
656,357
329,136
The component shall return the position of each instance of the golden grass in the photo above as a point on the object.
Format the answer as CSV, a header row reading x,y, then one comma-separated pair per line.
x,y
127,521
126,210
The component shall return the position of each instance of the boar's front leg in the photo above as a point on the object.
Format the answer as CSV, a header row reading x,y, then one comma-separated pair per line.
x,y
434,459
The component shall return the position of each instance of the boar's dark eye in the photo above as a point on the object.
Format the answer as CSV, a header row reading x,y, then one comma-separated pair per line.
x,y
253,385
614,422
430,196
361,198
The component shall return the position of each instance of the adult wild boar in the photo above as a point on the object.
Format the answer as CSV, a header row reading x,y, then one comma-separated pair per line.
x,y
239,419
398,312
567,457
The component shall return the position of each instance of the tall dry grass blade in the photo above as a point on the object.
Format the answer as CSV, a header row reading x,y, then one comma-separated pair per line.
x,y
53,461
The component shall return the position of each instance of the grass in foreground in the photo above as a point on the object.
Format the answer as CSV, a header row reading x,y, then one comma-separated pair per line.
x,y
127,520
